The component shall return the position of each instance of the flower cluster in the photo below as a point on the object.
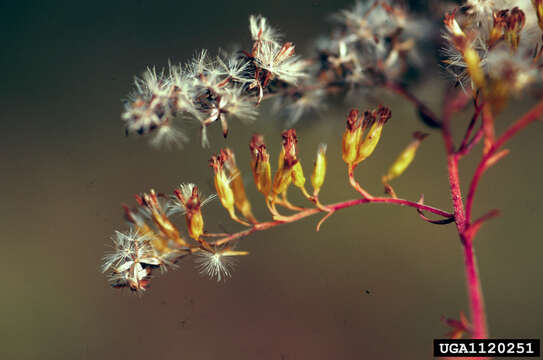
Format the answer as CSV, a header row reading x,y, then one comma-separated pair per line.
x,y
374,43
494,46
155,241
212,89
133,258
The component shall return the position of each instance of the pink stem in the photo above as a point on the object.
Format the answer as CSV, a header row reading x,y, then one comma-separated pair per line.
x,y
331,208
520,124
467,144
473,284
477,308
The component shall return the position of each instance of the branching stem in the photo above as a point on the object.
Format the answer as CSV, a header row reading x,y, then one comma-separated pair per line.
x,y
330,208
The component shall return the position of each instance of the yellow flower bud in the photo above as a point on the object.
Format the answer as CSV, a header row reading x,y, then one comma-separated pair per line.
x,y
406,157
298,178
452,25
515,23
195,224
224,190
222,184
150,201
538,5
281,181
351,138
240,197
160,243
260,163
189,197
499,24
473,63
319,171
287,161
376,120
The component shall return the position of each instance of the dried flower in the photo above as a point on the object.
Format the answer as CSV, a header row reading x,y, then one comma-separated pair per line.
x,y
155,211
375,121
279,62
131,260
476,44
260,164
240,197
352,137
261,31
223,186
289,168
189,198
375,43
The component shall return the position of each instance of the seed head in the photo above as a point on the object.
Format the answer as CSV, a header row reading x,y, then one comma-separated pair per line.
x,y
217,263
131,260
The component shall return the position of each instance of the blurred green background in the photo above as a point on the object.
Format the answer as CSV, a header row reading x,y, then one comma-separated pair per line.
x,y
66,167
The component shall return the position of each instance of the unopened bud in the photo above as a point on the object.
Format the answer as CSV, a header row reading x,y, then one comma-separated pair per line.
x,y
319,171
298,178
406,157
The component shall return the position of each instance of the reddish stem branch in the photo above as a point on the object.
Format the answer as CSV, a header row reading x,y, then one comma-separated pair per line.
x,y
463,151
476,225
356,185
331,208
477,308
520,124
471,126
467,144
473,284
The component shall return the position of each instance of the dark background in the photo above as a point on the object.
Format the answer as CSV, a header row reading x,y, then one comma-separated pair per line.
x,y
66,167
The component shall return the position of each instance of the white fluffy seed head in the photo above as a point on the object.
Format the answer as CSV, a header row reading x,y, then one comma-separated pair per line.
x,y
214,265
309,102
283,65
133,257
235,67
262,31
234,103
517,69
168,137
176,206
128,247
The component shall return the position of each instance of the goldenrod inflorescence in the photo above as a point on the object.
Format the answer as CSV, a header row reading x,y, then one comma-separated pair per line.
x,y
493,49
